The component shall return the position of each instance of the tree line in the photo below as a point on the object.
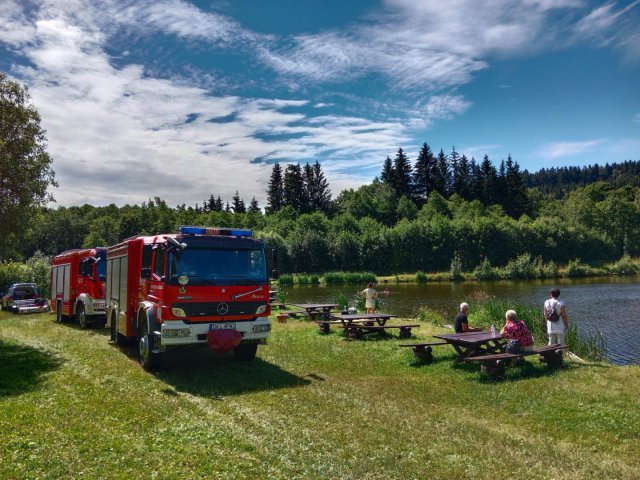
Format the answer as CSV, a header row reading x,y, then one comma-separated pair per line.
x,y
413,217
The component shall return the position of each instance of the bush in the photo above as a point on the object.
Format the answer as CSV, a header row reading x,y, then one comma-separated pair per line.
x,y
285,279
625,266
425,314
455,272
421,277
485,271
577,269
35,270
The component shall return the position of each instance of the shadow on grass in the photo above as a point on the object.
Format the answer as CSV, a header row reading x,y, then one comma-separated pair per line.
x,y
523,370
201,372
21,368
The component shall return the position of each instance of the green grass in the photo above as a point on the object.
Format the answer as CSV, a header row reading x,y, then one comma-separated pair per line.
x,y
309,407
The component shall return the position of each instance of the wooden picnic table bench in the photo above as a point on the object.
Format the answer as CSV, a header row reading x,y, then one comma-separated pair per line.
x,y
469,344
325,325
294,313
493,365
356,331
423,351
317,311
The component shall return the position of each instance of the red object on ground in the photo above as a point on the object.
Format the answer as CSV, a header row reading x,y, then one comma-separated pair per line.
x,y
222,341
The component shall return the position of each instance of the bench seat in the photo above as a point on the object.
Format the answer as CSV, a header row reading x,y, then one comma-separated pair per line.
x,y
356,331
493,365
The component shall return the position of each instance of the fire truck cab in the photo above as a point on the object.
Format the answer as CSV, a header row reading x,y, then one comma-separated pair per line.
x,y
201,286
77,285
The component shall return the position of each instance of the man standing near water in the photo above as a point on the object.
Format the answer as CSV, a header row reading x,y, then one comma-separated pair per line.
x,y
555,314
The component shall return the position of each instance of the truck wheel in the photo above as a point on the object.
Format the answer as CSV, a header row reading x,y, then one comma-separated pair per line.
x,y
148,359
246,351
59,317
81,316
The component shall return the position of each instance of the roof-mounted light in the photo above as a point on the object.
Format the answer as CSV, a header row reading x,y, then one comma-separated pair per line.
x,y
233,232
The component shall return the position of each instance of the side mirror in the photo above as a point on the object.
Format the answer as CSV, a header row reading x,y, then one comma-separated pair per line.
x,y
145,273
274,263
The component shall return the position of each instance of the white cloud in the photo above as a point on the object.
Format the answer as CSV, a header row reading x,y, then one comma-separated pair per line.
x,y
566,149
118,135
636,118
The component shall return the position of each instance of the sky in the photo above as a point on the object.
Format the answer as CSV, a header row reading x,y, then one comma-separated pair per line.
x,y
181,99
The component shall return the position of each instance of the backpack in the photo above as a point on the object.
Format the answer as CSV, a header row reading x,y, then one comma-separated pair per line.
x,y
513,346
552,315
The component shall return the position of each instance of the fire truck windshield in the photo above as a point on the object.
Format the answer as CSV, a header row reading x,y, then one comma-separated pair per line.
x,y
217,266
101,270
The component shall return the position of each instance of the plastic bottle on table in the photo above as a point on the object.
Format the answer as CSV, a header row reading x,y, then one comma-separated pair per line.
x,y
493,330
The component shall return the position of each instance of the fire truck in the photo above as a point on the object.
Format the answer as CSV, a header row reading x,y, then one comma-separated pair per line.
x,y
77,285
201,286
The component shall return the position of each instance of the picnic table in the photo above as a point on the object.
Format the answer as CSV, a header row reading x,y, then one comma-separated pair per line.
x,y
357,325
469,344
317,311
346,320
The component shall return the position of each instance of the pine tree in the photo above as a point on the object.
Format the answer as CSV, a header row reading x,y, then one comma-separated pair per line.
x,y
388,173
238,204
275,190
423,175
402,174
218,205
463,182
488,182
516,191
211,203
294,189
253,206
318,191
442,175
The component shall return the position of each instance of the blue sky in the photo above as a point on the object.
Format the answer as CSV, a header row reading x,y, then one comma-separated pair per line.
x,y
181,99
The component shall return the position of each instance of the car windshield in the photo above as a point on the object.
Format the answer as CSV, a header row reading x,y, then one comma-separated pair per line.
x,y
217,266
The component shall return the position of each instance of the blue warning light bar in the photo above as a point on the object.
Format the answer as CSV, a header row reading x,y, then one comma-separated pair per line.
x,y
232,232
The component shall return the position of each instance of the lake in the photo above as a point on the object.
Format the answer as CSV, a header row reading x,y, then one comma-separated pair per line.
x,y
605,304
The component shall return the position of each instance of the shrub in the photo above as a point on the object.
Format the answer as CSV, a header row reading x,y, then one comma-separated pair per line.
x,y
485,271
455,272
425,314
285,279
625,266
421,277
577,269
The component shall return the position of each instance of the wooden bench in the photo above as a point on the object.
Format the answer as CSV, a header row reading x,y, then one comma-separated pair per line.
x,y
423,351
493,365
293,313
325,325
357,331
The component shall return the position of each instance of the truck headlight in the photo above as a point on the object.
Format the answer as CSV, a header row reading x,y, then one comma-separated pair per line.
x,y
263,327
261,309
178,312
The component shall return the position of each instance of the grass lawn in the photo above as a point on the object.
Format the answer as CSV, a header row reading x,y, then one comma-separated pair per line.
x,y
72,405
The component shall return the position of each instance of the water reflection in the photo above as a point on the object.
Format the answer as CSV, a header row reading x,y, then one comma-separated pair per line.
x,y
607,305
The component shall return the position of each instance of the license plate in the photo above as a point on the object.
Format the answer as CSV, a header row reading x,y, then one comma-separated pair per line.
x,y
222,326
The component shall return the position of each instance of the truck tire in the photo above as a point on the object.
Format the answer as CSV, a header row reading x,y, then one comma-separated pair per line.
x,y
148,359
81,316
246,351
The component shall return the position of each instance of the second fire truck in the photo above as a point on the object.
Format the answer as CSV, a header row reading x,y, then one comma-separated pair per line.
x,y
201,286
77,285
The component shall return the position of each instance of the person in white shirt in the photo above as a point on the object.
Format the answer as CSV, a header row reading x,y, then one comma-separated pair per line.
x,y
370,295
556,329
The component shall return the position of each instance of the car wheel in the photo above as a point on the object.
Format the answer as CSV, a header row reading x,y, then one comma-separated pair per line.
x,y
246,351
148,359
81,316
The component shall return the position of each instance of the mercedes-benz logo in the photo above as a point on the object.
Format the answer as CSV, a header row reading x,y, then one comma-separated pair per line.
x,y
223,308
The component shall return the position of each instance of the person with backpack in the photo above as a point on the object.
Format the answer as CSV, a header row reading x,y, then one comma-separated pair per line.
x,y
556,316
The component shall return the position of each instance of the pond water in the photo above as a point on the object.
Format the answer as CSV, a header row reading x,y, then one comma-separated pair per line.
x,y
608,305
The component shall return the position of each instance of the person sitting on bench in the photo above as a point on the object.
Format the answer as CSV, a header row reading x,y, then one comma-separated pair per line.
x,y
461,323
515,329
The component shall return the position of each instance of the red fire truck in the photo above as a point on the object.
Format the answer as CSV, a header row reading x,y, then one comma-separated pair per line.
x,y
77,285
201,286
